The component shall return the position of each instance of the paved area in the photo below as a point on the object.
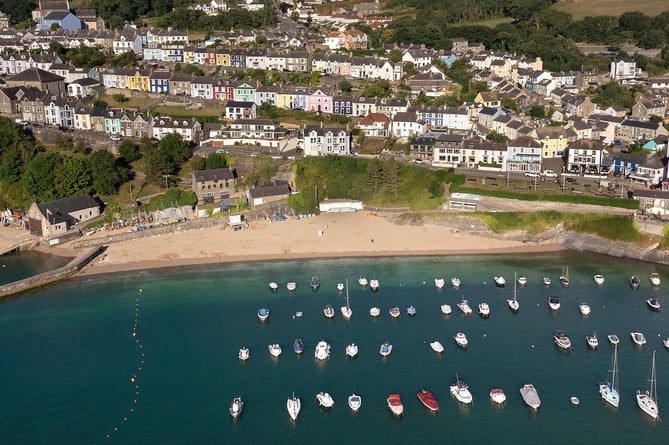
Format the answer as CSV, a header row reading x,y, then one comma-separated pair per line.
x,y
14,236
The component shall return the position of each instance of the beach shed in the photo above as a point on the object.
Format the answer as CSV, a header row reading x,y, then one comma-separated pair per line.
x,y
340,205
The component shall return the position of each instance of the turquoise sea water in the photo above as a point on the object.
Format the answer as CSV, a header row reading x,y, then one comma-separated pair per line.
x,y
74,373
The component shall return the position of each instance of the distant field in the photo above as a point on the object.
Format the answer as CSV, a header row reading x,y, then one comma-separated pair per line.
x,y
580,8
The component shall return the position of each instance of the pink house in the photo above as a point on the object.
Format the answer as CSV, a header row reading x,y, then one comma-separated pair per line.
x,y
319,101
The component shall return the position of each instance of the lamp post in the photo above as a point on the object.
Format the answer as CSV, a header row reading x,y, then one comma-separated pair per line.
x,y
166,176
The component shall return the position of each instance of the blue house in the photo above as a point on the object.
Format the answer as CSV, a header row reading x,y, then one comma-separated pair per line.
x,y
625,164
64,19
448,59
159,82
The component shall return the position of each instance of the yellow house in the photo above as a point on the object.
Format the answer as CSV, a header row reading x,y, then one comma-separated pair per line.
x,y
553,140
139,80
189,56
284,99
222,58
489,99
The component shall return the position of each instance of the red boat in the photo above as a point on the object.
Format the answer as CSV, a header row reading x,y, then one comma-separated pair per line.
x,y
428,400
395,404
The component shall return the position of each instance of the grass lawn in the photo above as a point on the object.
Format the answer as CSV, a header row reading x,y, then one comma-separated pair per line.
x,y
580,8
166,110
133,102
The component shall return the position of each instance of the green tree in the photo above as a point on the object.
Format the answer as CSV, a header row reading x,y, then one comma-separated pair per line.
x,y
537,112
156,164
345,86
315,78
128,151
613,93
653,38
216,160
10,164
395,55
497,137
374,174
73,177
38,177
108,173
175,149
120,98
391,176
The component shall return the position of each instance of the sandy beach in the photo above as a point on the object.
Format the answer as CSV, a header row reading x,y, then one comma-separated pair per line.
x,y
360,234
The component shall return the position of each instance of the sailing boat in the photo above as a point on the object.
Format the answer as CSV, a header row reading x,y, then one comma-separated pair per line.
x,y
647,401
609,390
513,302
346,311
564,278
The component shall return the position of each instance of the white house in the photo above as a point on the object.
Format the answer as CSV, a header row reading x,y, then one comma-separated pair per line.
x,y
324,141
188,129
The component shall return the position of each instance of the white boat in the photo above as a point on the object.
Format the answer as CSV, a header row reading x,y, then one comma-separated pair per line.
x,y
362,280
500,281
374,311
394,312
437,346
564,278
328,311
273,285
561,340
274,349
322,351
599,279
298,346
236,407
411,311
665,342
608,390
291,285
497,396
340,286
325,399
653,303
263,314
638,338
385,349
530,396
461,339
346,311
574,400
584,308
647,400
315,283
522,280
547,281
554,303
439,283
244,354
352,350
655,279
460,391
293,405
592,341
446,309
354,402
613,339
513,302
298,314
455,282
374,284
484,310
635,282
463,305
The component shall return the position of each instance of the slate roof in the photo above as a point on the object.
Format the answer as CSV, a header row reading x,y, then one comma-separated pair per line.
x,y
278,189
36,75
214,174
60,209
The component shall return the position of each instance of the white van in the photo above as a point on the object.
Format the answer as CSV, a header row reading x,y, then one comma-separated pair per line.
x,y
550,174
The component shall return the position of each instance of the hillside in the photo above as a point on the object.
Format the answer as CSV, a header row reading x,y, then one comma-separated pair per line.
x,y
581,8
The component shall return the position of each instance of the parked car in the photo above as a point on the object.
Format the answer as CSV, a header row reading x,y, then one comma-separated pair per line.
x,y
115,138
550,174
572,180
531,175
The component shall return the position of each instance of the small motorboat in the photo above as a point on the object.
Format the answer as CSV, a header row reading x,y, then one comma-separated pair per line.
x,y
665,342
325,399
293,405
244,354
298,346
328,311
635,282
461,340
352,350
530,396
599,279
236,407
273,285
554,303
374,311
354,402
411,311
395,404
613,339
561,340
362,280
394,312
500,281
274,349
655,279
298,314
446,309
374,284
340,286
439,283
584,309
263,314
455,282
291,285
547,281
522,280
437,346
315,283
574,400
463,305
592,341
427,399
484,310
460,391
638,338
385,349
322,351
497,396
653,303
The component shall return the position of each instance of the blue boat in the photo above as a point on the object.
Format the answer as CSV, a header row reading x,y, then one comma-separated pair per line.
x,y
315,283
634,282
298,346
263,314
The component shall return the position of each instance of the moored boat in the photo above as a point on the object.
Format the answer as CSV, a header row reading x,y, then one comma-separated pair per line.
x,y
291,285
638,338
385,349
461,340
328,311
322,351
411,311
352,350
564,278
608,390
374,311
592,341
354,402
395,404
298,346
374,284
274,349
497,395
484,310
428,399
236,407
293,405
460,391
665,342
655,279
340,286
263,314
613,339
437,346
455,282
561,340
394,312
653,303
647,400
499,281
362,280
522,280
554,303
574,400
315,283
547,281
599,279
325,399
530,396
439,283
446,309
513,302
273,285
635,282
584,308
463,305
244,354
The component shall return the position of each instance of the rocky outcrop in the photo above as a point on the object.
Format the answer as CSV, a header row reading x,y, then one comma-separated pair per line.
x,y
588,243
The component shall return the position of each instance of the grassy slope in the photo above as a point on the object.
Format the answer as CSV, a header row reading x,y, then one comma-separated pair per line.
x,y
580,8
